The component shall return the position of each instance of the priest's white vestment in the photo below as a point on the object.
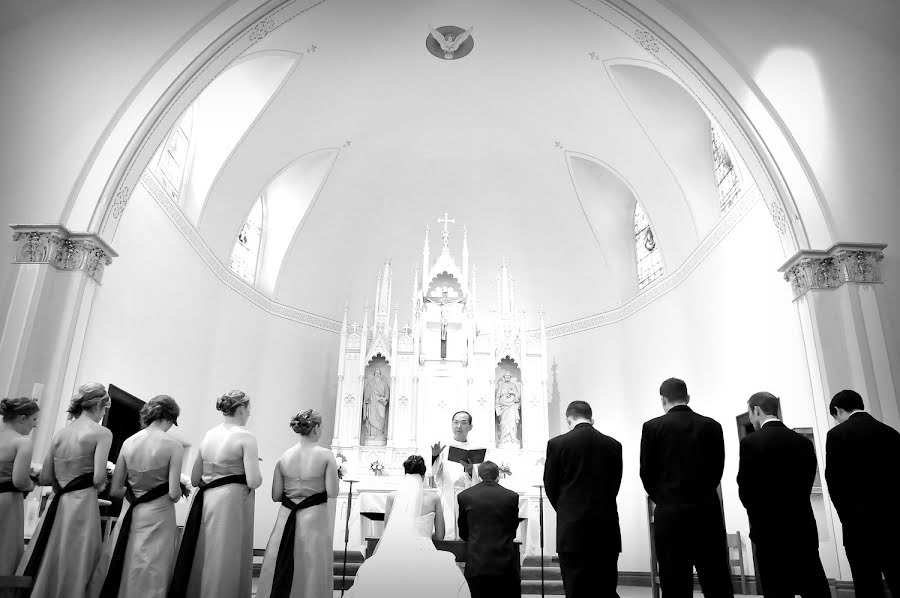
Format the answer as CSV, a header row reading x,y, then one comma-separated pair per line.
x,y
450,478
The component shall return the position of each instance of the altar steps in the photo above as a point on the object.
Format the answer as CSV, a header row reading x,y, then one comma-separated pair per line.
x,y
531,573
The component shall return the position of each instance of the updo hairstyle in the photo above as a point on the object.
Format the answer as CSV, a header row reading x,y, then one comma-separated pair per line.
x,y
414,464
161,407
10,409
229,402
304,422
89,397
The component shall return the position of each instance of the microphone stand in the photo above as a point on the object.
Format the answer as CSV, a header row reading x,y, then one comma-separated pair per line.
x,y
540,488
346,536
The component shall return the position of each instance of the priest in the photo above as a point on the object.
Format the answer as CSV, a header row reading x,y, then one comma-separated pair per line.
x,y
451,477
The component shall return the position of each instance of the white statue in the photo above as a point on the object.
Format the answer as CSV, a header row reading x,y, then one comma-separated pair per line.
x,y
508,398
376,395
448,43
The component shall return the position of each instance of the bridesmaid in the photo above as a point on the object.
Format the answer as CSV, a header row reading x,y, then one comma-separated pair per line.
x,y
215,559
137,558
298,561
65,546
19,419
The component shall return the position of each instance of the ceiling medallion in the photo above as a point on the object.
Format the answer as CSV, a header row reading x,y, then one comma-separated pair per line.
x,y
449,42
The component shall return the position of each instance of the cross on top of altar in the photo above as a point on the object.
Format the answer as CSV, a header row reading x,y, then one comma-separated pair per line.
x,y
446,220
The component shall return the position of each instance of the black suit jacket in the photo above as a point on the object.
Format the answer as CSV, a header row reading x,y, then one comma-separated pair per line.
x,y
775,477
862,462
582,476
488,520
682,458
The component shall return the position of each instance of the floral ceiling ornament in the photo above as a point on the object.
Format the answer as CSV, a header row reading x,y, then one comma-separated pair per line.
x,y
647,41
119,202
778,217
261,29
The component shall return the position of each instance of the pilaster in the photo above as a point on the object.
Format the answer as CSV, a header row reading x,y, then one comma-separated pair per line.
x,y
44,327
839,297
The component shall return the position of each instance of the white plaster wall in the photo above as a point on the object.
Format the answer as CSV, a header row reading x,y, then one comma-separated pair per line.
x,y
163,323
829,69
730,330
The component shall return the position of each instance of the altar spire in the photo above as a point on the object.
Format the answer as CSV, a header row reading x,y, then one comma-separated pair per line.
x,y
426,259
465,258
445,235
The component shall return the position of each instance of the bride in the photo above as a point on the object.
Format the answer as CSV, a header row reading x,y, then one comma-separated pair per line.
x,y
405,552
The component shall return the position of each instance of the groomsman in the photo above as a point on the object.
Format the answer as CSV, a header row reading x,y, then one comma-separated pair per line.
x,y
682,458
861,461
776,474
582,475
488,521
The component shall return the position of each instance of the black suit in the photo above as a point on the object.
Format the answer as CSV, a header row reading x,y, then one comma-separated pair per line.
x,y
861,468
582,475
775,478
682,458
488,521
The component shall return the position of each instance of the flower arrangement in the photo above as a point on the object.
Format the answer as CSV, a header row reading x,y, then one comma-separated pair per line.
x,y
342,468
186,487
504,470
377,467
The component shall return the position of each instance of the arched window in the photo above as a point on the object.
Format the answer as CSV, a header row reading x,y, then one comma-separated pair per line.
x,y
649,260
171,159
726,172
245,254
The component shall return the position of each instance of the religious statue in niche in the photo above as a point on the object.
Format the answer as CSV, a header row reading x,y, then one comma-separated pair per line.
x,y
376,395
508,398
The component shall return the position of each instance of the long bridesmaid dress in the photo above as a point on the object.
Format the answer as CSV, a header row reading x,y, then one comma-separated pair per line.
x,y
150,553
74,542
313,575
12,526
223,560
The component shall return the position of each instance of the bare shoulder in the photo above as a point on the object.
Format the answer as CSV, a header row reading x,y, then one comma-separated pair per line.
x,y
21,442
102,432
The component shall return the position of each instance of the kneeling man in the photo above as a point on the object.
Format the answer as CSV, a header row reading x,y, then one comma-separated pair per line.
x,y
488,520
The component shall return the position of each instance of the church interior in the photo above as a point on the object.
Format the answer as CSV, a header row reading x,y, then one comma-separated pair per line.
x,y
585,198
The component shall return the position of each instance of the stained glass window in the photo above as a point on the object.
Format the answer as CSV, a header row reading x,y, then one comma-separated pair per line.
x,y
649,260
727,180
245,254
171,159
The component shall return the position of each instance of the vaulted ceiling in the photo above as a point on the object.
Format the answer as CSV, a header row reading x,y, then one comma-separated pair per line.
x,y
540,142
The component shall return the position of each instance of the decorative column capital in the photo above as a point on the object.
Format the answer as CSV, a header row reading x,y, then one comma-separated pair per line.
x,y
57,246
829,269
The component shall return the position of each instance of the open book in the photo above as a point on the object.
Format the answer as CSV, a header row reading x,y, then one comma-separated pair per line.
x,y
475,456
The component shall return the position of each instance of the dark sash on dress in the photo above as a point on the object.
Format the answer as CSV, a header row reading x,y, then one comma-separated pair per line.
x,y
191,533
117,561
85,480
283,576
8,486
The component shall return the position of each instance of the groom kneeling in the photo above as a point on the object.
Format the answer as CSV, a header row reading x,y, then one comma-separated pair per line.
x,y
488,520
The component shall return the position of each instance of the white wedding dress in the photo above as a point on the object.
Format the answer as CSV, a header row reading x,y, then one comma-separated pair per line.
x,y
406,564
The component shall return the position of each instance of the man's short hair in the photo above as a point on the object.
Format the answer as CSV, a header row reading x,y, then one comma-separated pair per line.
x,y
848,400
766,401
489,471
580,409
466,412
674,391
